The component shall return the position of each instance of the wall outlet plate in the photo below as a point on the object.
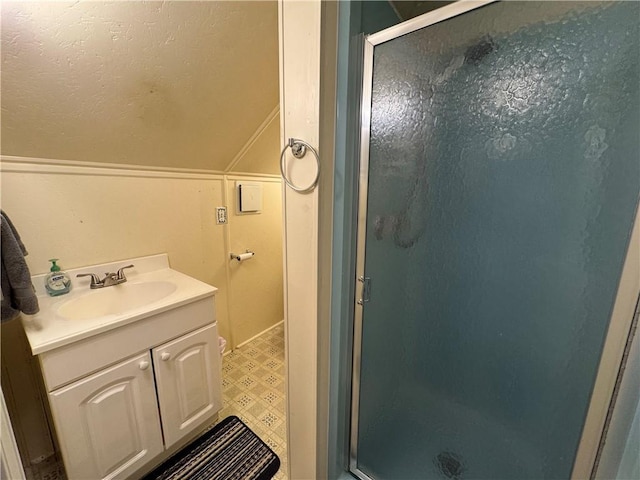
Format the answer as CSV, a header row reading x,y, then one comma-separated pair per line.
x,y
221,215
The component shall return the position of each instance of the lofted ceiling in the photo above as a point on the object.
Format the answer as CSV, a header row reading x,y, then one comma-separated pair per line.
x,y
166,84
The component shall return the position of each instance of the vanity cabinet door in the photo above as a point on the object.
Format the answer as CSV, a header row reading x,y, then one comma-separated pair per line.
x,y
107,423
188,378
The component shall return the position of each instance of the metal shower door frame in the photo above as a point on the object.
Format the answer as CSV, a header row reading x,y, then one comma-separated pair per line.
x,y
622,315
370,42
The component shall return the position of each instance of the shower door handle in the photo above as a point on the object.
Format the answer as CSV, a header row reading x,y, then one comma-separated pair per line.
x,y
366,289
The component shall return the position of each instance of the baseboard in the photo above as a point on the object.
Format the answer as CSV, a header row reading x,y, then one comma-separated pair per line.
x,y
261,333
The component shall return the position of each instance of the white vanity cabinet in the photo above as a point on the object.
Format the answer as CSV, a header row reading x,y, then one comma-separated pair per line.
x,y
132,395
184,369
108,423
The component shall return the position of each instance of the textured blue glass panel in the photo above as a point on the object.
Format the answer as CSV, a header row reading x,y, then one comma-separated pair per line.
x,y
504,178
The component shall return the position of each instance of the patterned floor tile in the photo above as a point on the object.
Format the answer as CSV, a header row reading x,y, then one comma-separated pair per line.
x,y
270,396
253,390
49,469
245,400
232,391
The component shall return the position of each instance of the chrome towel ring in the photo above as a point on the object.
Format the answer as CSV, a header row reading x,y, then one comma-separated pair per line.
x,y
299,150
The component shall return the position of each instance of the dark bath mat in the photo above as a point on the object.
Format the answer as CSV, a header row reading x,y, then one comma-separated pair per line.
x,y
229,451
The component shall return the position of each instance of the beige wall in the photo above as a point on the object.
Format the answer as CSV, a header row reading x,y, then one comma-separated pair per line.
x,y
85,215
255,286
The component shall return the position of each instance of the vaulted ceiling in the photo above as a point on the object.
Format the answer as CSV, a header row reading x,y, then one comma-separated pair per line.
x,y
168,84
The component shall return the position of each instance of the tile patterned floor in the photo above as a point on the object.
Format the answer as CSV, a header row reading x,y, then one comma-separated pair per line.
x,y
49,469
253,390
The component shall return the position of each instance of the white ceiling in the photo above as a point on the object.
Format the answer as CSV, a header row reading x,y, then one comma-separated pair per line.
x,y
170,84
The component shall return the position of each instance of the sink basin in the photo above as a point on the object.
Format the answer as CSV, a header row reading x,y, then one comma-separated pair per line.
x,y
115,300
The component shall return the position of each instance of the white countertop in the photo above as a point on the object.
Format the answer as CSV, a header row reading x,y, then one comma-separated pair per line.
x,y
47,330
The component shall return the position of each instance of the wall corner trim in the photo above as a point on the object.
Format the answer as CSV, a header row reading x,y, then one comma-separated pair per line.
x,y
71,167
263,126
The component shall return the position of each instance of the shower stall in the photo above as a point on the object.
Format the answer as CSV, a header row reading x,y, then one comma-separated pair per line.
x,y
499,183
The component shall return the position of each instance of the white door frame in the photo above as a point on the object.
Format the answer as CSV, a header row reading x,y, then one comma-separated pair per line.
x,y
308,63
299,35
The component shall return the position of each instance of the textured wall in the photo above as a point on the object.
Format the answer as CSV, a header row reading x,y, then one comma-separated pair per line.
x,y
174,84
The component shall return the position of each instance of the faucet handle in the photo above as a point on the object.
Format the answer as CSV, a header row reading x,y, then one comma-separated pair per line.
x,y
95,281
121,272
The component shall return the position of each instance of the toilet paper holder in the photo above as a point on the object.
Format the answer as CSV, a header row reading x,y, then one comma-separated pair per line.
x,y
242,256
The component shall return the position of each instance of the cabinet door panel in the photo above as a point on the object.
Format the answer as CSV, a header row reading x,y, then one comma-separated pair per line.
x,y
188,381
108,423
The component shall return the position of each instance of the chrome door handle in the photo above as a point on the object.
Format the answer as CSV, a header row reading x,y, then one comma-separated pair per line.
x,y
366,289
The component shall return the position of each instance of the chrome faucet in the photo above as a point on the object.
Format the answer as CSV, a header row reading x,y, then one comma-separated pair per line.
x,y
109,279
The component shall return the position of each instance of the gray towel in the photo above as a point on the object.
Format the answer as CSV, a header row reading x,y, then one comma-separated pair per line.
x,y
18,294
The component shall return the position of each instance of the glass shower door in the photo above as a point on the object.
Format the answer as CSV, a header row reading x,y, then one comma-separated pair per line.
x,y
500,180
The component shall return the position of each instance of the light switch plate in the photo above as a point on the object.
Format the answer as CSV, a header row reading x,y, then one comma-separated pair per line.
x,y
221,215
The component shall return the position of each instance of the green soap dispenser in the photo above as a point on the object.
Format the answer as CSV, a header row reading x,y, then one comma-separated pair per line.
x,y
57,282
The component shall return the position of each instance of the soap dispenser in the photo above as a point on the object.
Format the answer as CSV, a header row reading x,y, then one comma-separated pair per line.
x,y
57,282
